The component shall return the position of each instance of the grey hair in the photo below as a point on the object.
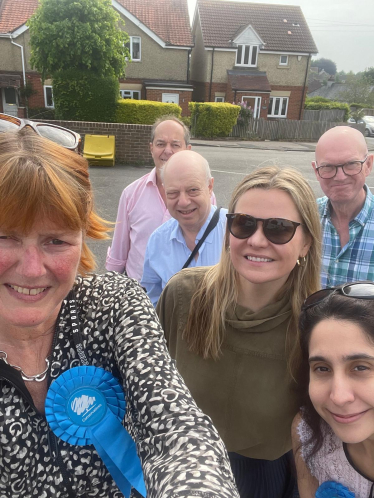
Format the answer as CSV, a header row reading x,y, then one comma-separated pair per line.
x,y
204,164
171,117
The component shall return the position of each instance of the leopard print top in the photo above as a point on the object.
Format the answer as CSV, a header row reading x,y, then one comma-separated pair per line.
x,y
181,452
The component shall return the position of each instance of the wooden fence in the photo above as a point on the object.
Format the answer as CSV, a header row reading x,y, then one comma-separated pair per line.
x,y
286,129
335,115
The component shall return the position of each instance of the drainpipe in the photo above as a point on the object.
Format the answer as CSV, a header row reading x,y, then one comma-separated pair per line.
x,y
211,77
306,76
22,58
188,65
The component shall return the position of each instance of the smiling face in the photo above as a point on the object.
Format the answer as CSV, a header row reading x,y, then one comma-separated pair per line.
x,y
257,260
341,145
37,271
341,388
169,139
188,190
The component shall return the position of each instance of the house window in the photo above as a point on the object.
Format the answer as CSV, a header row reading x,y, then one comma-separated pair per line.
x,y
278,107
170,98
48,97
130,94
246,55
283,61
134,46
219,99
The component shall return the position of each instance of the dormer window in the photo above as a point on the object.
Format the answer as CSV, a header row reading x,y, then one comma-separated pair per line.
x,y
246,55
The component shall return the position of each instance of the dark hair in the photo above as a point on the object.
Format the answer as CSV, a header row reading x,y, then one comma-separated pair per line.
x,y
337,307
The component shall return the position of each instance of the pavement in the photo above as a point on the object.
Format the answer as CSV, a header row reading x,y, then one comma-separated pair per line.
x,y
266,145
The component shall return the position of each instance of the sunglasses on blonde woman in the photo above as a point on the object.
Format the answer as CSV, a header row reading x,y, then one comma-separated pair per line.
x,y
356,290
61,136
276,230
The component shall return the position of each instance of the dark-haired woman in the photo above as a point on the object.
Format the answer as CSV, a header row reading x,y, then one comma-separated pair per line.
x,y
333,436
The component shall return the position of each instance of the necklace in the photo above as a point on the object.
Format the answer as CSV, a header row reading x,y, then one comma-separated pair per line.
x,y
27,378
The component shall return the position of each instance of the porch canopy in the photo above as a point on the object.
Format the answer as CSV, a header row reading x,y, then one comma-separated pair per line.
x,y
248,80
10,80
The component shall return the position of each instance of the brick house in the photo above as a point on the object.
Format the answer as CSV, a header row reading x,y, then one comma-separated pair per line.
x,y
160,46
252,52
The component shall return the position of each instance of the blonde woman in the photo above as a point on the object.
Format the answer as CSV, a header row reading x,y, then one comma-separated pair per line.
x,y
232,328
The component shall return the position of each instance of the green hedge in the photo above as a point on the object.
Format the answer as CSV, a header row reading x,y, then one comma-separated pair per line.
x,y
317,106
317,99
82,96
213,119
143,111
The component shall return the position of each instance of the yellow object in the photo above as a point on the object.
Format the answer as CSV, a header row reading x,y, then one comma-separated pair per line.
x,y
100,149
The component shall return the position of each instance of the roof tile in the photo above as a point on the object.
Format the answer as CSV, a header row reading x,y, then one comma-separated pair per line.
x,y
221,19
166,18
14,13
169,19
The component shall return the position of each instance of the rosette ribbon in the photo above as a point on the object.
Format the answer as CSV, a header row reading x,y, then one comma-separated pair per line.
x,y
85,405
331,489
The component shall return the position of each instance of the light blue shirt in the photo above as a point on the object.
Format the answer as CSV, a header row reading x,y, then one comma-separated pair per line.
x,y
167,252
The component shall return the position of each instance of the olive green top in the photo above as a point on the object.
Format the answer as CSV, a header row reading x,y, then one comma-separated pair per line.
x,y
247,392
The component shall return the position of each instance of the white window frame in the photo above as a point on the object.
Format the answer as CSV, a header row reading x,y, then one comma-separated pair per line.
x,y
45,97
166,96
283,63
251,47
219,99
273,105
140,49
131,94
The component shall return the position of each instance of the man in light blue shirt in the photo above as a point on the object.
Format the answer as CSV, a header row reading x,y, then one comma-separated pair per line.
x,y
188,187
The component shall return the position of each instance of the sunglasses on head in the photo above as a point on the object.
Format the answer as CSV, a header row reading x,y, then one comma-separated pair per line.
x,y
276,230
61,136
356,290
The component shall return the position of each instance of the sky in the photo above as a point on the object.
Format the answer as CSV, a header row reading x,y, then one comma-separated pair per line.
x,y
343,30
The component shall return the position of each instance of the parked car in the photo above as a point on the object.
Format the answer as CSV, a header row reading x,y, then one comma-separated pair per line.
x,y
368,121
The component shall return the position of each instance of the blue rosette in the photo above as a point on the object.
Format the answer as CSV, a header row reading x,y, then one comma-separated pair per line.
x,y
85,405
331,489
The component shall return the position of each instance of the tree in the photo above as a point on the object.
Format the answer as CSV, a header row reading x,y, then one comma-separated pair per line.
x,y
77,34
327,64
368,74
81,46
357,90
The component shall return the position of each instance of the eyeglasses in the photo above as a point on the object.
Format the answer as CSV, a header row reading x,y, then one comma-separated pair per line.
x,y
276,230
61,136
356,290
351,168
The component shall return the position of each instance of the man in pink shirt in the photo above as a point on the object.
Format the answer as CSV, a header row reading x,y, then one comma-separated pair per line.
x,y
142,206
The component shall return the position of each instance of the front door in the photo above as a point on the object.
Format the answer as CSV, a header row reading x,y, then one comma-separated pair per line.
x,y
10,100
255,103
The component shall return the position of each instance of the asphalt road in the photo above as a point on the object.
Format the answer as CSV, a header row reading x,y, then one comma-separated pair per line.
x,y
229,163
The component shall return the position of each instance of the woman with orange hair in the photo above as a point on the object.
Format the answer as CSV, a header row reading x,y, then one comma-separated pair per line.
x,y
76,347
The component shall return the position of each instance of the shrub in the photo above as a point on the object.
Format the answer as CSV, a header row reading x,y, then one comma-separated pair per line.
x,y
317,106
316,99
213,119
83,96
245,114
143,111
186,120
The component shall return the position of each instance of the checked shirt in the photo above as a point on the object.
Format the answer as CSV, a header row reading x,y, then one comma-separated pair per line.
x,y
355,261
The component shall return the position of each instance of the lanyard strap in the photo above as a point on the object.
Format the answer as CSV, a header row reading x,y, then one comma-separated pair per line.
x,y
75,328
212,224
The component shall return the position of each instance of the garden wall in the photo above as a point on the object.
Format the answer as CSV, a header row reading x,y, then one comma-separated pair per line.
x,y
132,140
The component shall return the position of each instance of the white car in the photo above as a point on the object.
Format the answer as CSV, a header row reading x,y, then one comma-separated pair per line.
x,y
368,121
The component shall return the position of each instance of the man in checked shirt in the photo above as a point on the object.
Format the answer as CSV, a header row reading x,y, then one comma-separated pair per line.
x,y
347,210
